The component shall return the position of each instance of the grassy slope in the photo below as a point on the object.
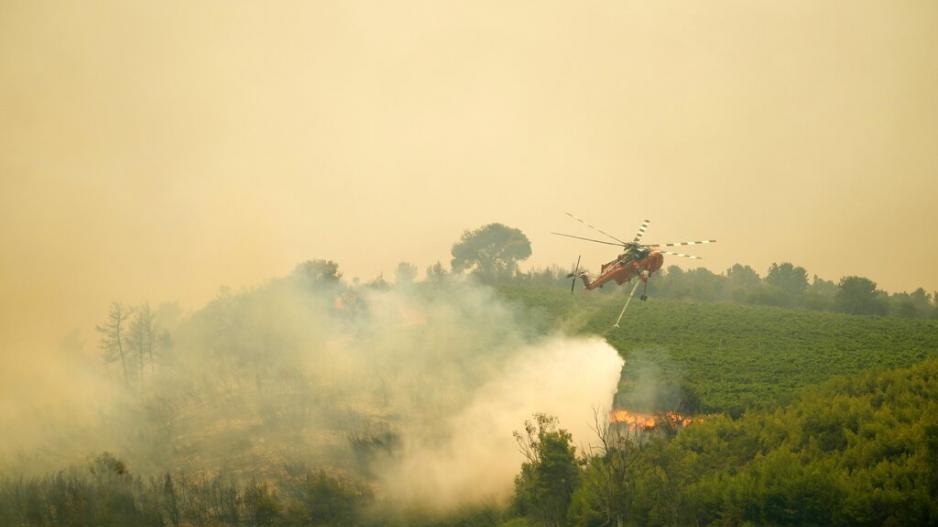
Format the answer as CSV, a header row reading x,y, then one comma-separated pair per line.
x,y
734,356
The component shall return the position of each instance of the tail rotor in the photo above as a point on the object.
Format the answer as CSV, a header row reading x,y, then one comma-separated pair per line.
x,y
575,274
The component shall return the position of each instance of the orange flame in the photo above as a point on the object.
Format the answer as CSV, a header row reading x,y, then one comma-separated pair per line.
x,y
633,420
640,421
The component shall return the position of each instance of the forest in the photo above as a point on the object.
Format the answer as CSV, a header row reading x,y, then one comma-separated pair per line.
x,y
468,397
784,285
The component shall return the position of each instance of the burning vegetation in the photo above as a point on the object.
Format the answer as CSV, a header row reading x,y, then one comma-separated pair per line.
x,y
635,421
651,396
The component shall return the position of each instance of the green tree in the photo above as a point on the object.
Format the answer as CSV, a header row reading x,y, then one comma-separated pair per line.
x,y
378,283
857,295
436,273
144,336
171,501
405,273
704,284
787,277
742,282
671,282
901,304
315,273
550,474
322,499
261,505
914,304
605,494
492,251
922,301
820,294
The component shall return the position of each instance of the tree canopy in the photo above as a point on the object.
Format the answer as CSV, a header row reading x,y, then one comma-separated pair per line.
x,y
787,277
491,251
858,296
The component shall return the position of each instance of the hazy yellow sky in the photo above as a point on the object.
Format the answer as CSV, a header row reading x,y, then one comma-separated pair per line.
x,y
158,150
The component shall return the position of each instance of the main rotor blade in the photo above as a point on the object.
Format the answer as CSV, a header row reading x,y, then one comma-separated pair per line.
x,y
588,239
641,231
691,256
678,244
597,229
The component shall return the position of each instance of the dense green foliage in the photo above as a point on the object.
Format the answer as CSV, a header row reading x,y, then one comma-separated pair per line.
x,y
549,474
858,450
731,357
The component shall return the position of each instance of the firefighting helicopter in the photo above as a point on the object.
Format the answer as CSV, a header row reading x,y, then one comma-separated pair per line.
x,y
639,259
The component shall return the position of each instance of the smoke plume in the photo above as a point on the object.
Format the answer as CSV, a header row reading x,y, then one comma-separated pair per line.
x,y
415,387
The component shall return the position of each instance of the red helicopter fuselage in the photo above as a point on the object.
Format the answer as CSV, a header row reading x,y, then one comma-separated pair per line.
x,y
623,269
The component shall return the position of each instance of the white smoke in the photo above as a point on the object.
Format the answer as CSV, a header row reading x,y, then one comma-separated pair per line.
x,y
288,372
477,458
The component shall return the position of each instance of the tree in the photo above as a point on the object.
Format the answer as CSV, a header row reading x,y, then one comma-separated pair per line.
x,y
171,501
820,294
436,273
704,284
922,302
378,283
143,336
316,273
261,505
857,295
922,298
790,279
323,499
550,474
491,251
550,276
112,338
902,304
743,278
608,482
671,282
405,273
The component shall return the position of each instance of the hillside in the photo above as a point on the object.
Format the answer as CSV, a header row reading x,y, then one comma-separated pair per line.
x,y
855,450
305,391
728,357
